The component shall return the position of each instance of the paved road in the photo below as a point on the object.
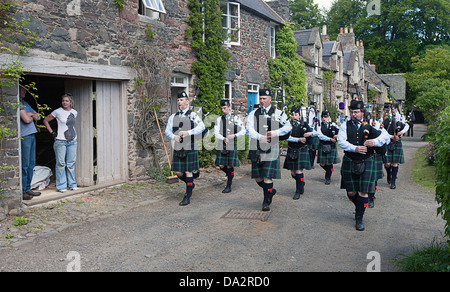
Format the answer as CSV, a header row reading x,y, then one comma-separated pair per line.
x,y
315,233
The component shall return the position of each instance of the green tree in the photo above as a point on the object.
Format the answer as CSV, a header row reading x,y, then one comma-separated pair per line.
x,y
429,82
289,62
305,14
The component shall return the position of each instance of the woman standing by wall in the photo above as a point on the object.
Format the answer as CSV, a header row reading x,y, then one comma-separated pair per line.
x,y
65,145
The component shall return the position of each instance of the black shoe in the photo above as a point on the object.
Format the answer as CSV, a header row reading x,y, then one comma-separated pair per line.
x,y
26,196
327,181
265,207
393,186
227,189
296,196
371,203
185,200
34,194
359,224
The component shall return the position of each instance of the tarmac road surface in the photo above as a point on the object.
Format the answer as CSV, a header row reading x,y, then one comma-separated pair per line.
x,y
315,233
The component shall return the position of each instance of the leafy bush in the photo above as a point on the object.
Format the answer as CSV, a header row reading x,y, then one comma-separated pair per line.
x,y
430,153
442,164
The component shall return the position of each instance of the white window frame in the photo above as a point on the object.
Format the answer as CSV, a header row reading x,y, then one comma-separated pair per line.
x,y
152,8
316,60
228,91
272,41
228,17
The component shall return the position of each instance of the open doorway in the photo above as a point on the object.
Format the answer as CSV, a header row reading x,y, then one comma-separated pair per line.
x,y
100,127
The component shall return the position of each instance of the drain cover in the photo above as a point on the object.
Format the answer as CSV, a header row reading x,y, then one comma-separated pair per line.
x,y
247,214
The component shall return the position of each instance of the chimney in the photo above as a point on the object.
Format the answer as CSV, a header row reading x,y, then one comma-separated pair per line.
x,y
346,30
351,28
324,36
372,66
341,30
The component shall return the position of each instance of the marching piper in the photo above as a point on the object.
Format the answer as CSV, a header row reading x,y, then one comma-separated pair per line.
x,y
227,129
265,125
313,121
357,138
327,152
395,124
297,158
181,127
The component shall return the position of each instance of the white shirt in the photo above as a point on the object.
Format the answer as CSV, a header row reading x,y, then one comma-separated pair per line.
x,y
347,146
279,115
193,116
236,121
66,123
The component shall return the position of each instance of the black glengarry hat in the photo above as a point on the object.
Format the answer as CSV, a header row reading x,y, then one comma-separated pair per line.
x,y
355,104
182,94
225,102
264,92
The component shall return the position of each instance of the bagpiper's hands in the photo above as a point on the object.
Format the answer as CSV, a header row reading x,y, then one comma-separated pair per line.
x,y
177,138
229,137
369,143
272,134
308,134
302,140
264,139
396,138
333,140
361,149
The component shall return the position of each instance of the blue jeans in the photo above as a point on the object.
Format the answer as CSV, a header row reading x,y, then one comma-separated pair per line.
x,y
28,146
65,155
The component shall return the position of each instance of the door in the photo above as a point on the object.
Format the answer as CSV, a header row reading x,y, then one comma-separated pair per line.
x,y
111,131
81,91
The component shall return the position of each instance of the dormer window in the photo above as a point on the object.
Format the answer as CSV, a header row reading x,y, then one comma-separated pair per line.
x,y
151,8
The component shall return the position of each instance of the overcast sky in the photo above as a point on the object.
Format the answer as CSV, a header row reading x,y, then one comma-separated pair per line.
x,y
324,3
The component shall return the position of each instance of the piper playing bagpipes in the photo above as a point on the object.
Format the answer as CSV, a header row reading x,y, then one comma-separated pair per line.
x,y
182,127
227,129
265,125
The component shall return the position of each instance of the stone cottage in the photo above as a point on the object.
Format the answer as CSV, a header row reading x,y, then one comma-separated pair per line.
x,y
88,48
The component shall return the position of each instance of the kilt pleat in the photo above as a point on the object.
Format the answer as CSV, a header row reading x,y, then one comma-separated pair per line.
x,y
188,163
358,183
302,162
315,143
328,158
378,160
395,156
231,159
268,168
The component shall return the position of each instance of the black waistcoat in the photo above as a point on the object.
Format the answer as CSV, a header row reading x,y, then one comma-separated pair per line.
x,y
298,132
183,123
357,138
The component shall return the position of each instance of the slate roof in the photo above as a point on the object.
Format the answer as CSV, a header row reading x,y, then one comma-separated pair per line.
x,y
262,9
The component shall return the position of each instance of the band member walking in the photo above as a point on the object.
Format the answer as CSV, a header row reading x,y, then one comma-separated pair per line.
x,y
265,125
313,121
227,129
327,152
357,171
297,158
182,127
395,124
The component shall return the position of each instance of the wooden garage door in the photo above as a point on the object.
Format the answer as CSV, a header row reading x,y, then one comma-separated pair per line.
x,y
111,134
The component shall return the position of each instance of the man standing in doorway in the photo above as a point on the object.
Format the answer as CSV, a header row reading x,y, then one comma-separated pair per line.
x,y
28,144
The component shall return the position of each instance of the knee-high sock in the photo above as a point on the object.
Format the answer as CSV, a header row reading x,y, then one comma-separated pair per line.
x,y
189,185
394,174
361,205
230,175
299,182
329,171
268,190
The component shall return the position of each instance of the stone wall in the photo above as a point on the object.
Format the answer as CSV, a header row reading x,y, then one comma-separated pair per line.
x,y
10,185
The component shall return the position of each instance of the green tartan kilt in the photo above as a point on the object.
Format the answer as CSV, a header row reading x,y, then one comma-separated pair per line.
x,y
315,143
358,183
188,163
329,158
378,166
302,162
231,159
269,169
395,156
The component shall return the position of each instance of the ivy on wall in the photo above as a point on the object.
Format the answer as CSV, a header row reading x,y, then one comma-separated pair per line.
x,y
205,28
288,61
